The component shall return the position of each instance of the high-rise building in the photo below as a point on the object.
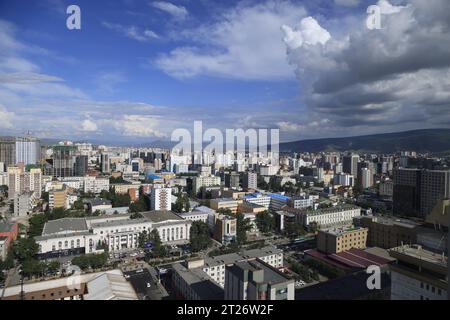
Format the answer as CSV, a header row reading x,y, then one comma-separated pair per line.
x,y
28,150
20,181
160,199
81,165
250,180
416,192
8,151
105,163
63,160
366,178
232,180
350,164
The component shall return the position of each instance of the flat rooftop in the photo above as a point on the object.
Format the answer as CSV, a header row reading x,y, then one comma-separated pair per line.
x,y
65,225
271,275
199,282
417,252
160,216
342,230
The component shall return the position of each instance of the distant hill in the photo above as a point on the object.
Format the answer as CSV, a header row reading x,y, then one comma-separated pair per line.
x,y
427,140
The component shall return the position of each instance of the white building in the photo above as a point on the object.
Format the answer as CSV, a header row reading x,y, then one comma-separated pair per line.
x,y
205,181
24,203
301,202
329,217
366,178
118,232
214,267
160,198
96,185
28,150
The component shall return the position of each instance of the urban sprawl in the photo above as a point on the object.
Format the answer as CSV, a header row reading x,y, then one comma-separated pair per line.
x,y
92,222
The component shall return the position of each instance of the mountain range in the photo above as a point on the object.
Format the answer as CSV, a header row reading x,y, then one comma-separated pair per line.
x,y
423,141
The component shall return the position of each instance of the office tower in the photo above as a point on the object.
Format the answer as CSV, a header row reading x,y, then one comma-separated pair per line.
x,y
417,192
28,150
106,168
63,161
406,192
344,179
350,164
434,187
250,180
35,181
232,180
8,151
81,165
14,182
161,199
366,178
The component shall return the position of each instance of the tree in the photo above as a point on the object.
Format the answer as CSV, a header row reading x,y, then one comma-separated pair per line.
x,y
78,205
199,236
36,223
25,249
142,239
243,225
265,221
158,249
140,205
53,266
313,227
32,267
295,229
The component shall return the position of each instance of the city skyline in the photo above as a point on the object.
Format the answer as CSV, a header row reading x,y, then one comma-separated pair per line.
x,y
138,70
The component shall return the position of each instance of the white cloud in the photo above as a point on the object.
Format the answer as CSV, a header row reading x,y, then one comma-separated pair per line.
x,y
89,125
132,32
178,12
6,117
386,79
244,43
139,126
387,8
107,81
309,32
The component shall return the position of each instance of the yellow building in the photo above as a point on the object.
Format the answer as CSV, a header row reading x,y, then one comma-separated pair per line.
x,y
58,199
341,239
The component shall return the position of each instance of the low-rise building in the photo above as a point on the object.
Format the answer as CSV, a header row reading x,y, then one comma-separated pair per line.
x,y
254,279
225,230
118,232
418,274
224,203
341,239
331,217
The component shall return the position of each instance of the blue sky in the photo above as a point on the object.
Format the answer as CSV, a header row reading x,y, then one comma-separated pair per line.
x,y
139,69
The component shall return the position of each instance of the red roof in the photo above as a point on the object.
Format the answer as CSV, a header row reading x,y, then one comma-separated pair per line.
x,y
353,258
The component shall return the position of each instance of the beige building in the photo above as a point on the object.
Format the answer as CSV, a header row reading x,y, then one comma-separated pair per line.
x,y
224,203
341,239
